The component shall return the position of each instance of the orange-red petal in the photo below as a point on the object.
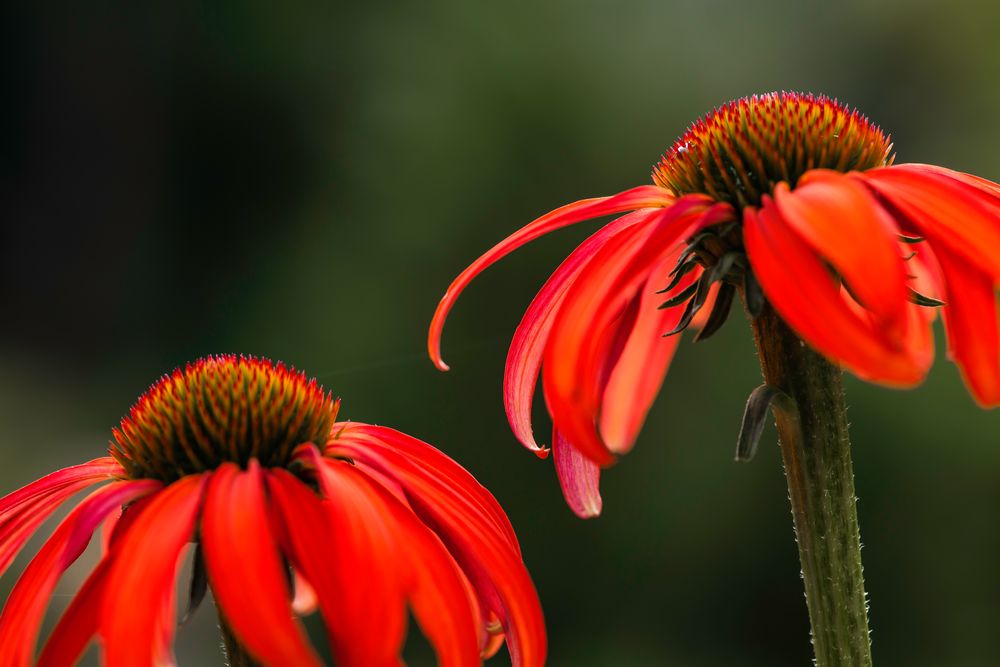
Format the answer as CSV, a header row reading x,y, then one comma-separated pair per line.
x,y
466,522
343,546
524,359
577,351
142,576
638,370
807,297
357,436
970,320
434,583
24,510
245,569
644,196
79,622
22,615
987,186
844,224
947,212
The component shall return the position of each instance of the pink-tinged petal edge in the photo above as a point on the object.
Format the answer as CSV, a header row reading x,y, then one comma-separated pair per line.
x,y
645,196
579,478
245,569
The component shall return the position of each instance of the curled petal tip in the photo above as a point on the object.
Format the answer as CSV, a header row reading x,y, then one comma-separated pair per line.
x,y
542,452
434,351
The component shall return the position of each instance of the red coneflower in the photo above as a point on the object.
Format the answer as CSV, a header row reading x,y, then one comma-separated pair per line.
x,y
791,201
246,460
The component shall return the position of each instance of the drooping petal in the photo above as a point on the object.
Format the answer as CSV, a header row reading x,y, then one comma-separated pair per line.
x,y
441,604
431,460
245,569
845,225
524,359
946,212
579,478
79,623
456,513
164,626
142,576
645,196
638,371
344,548
24,510
22,615
970,320
108,530
987,186
576,353
806,296
437,592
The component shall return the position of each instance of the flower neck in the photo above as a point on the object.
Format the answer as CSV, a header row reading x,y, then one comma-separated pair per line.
x,y
816,452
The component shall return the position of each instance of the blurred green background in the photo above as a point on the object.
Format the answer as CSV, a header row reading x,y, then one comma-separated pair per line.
x,y
303,182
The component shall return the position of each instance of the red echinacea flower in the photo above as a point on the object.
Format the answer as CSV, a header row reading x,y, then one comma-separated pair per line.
x,y
246,460
791,201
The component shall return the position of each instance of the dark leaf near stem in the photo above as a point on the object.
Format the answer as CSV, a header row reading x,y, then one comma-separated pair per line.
x,y
754,417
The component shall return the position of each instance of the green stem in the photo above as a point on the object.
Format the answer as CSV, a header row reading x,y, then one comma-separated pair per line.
x,y
235,653
816,452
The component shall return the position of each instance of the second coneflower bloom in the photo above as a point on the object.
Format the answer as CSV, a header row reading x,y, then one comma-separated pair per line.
x,y
791,201
286,511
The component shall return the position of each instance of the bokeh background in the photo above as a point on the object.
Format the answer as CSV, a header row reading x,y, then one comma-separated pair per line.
x,y
303,182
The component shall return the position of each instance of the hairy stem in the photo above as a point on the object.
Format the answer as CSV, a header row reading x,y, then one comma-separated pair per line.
x,y
816,451
235,653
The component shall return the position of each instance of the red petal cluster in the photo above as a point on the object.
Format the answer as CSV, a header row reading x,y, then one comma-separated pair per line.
x,y
395,526
839,257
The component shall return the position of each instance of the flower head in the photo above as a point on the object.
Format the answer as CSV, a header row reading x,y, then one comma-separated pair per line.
x,y
245,458
792,202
